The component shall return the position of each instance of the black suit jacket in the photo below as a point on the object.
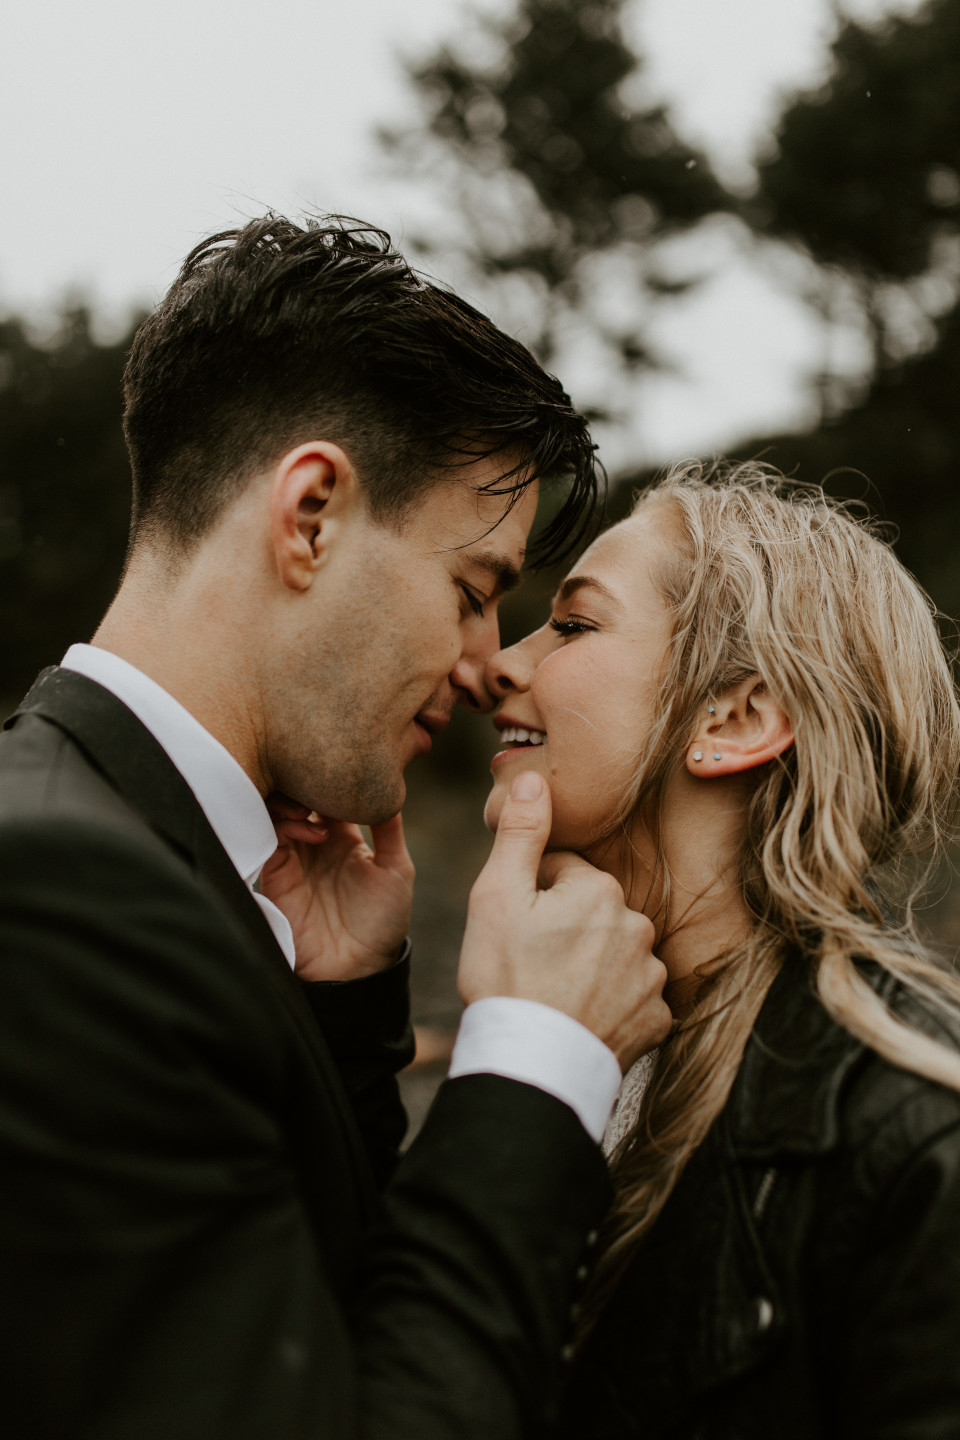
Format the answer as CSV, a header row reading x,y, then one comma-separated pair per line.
x,y
192,1245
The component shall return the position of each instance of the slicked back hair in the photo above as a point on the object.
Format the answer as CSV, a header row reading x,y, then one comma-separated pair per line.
x,y
279,333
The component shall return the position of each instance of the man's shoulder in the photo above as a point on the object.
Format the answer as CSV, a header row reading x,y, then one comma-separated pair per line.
x,y
59,810
47,781
87,883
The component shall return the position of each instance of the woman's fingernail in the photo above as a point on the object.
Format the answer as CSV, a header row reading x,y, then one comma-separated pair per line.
x,y
528,786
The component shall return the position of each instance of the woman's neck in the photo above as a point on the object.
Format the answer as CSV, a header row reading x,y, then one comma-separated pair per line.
x,y
693,895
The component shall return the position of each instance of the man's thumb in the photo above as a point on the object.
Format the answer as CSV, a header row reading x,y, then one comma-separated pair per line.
x,y
523,828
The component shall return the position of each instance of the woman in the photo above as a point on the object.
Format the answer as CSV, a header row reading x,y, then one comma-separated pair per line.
x,y
744,713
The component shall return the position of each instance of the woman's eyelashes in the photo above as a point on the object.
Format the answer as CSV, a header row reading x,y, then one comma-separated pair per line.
x,y
572,625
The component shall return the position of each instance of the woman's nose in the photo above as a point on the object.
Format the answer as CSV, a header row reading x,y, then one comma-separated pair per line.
x,y
509,670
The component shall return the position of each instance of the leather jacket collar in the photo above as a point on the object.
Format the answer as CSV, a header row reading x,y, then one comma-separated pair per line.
x,y
786,1096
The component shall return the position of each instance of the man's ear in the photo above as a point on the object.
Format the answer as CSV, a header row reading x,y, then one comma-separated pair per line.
x,y
314,490
741,729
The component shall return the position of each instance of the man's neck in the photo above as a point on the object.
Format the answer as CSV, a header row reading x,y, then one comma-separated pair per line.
x,y
182,633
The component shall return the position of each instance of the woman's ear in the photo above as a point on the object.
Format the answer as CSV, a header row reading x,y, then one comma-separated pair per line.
x,y
741,729
314,490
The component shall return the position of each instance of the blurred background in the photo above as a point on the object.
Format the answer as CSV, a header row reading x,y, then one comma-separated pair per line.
x,y
729,227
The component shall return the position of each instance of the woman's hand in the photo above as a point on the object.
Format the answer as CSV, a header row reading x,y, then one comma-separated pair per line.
x,y
348,905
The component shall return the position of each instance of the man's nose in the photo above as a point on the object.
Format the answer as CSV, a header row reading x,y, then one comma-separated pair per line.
x,y
468,678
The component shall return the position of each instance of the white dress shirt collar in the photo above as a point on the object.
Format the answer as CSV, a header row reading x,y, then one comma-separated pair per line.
x,y
226,794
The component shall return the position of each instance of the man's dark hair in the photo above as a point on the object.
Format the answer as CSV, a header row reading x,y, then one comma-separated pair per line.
x,y
280,333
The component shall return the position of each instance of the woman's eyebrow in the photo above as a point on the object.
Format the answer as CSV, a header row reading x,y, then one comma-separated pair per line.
x,y
573,583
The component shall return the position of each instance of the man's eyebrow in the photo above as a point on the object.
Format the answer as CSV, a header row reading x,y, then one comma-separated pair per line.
x,y
500,567
573,583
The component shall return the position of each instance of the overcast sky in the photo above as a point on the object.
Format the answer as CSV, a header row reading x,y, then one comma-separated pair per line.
x,y
129,129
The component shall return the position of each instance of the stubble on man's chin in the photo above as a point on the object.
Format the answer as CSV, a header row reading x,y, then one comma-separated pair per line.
x,y
361,796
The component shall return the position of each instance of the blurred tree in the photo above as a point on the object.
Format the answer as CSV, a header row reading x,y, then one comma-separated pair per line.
x,y
64,491
563,183
865,175
866,170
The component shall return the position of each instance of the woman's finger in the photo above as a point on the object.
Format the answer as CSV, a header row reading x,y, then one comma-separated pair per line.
x,y
281,807
389,846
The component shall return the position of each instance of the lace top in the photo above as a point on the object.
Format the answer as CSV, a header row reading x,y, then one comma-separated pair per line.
x,y
628,1100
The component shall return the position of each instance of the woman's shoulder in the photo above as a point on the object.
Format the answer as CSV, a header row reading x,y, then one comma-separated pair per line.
x,y
891,1111
808,1086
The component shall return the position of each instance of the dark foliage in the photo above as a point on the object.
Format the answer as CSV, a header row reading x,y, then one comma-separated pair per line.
x,y
866,171
64,491
866,176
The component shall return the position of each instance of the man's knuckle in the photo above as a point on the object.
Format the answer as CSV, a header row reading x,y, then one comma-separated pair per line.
x,y
657,971
643,928
607,889
517,828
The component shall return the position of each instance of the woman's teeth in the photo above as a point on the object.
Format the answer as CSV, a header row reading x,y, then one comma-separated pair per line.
x,y
514,735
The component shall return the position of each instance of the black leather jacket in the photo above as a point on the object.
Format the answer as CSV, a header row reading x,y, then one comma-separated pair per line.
x,y
804,1277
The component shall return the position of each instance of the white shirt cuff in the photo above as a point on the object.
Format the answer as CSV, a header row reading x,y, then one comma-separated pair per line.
x,y
524,1040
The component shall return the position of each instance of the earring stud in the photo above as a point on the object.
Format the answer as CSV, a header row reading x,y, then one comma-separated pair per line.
x,y
698,754
717,757
711,709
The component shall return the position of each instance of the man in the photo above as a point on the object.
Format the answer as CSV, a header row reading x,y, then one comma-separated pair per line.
x,y
335,471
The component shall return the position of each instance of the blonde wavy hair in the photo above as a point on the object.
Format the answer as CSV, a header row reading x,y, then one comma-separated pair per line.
x,y
773,579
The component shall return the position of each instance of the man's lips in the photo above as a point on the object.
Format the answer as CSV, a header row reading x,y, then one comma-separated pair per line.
x,y
429,723
433,721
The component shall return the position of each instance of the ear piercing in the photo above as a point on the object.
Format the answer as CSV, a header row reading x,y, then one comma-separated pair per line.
x,y
698,754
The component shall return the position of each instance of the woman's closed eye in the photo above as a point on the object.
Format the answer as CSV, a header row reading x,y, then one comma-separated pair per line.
x,y
571,625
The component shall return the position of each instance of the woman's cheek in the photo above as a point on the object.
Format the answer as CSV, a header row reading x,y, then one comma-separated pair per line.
x,y
577,819
587,789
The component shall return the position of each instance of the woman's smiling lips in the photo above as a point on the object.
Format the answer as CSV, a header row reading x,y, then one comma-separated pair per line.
x,y
517,739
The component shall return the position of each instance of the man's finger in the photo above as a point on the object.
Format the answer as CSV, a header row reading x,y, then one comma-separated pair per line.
x,y
559,864
522,832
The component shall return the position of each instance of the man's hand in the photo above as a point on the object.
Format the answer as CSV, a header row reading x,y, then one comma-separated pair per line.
x,y
554,929
348,905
